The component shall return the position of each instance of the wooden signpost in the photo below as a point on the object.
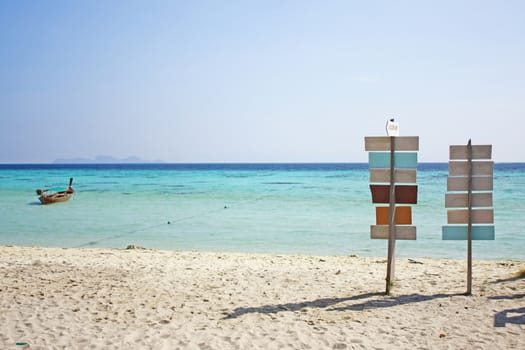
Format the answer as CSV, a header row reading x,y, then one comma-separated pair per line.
x,y
470,213
393,163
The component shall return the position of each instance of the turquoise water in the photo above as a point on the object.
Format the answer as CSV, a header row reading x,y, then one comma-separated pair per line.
x,y
321,209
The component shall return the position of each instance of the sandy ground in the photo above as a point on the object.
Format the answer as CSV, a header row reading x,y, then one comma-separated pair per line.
x,y
146,299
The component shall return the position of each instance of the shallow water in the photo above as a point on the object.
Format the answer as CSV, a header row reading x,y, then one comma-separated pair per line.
x,y
322,209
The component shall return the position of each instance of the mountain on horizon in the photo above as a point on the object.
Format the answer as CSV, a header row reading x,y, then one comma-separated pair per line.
x,y
104,159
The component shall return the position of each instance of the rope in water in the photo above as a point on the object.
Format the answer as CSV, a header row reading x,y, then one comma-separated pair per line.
x,y
169,222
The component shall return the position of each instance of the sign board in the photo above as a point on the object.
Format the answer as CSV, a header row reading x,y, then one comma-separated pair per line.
x,y
470,214
393,163
392,128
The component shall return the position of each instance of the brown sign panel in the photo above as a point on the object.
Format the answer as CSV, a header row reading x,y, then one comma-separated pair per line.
x,y
403,215
405,194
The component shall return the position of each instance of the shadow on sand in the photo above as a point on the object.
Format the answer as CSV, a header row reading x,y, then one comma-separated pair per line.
x,y
374,303
510,279
507,297
503,317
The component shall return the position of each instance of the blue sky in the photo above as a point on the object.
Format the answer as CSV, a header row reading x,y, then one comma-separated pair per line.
x,y
258,81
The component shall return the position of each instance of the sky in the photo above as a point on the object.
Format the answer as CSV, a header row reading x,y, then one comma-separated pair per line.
x,y
258,81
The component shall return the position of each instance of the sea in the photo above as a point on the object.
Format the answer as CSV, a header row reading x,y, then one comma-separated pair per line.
x,y
312,209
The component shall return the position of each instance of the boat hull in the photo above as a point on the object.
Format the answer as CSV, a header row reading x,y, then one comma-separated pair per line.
x,y
55,197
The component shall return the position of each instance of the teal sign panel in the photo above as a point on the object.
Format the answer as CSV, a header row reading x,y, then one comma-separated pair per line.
x,y
460,232
402,160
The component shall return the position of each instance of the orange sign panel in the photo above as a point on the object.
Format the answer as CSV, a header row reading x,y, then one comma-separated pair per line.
x,y
403,215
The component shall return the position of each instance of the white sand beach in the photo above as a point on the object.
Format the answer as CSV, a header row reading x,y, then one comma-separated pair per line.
x,y
53,298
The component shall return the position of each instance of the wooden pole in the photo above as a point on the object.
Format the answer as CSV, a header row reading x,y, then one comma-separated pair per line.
x,y
469,244
392,220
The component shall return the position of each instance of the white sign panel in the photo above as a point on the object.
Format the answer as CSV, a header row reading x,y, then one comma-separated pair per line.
x,y
392,128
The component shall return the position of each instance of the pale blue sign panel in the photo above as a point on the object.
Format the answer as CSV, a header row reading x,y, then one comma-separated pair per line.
x,y
460,232
402,160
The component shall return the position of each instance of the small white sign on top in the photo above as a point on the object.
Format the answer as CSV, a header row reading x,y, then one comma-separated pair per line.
x,y
392,128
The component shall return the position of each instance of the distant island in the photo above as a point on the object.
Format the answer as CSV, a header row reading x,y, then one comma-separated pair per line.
x,y
104,160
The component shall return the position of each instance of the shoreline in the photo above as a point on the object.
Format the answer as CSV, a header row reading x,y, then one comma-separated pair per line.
x,y
105,298
402,255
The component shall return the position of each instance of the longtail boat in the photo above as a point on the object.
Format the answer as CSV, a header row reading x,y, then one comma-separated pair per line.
x,y
50,196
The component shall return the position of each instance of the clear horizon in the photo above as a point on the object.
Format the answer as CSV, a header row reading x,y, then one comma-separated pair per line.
x,y
146,162
259,81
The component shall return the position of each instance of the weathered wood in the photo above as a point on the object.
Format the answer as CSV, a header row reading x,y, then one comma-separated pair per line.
x,y
388,168
469,175
382,143
400,175
403,215
402,232
460,232
470,217
479,168
390,269
404,160
478,152
50,196
380,193
460,200
479,183
405,194
479,216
